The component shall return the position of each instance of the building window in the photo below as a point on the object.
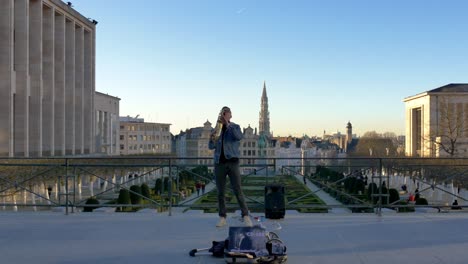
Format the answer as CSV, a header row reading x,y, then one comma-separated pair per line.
x,y
122,147
122,127
253,145
122,137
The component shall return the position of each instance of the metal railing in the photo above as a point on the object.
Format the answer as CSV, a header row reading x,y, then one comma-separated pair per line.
x,y
357,184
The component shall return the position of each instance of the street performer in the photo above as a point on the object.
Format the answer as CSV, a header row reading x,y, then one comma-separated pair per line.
x,y
225,140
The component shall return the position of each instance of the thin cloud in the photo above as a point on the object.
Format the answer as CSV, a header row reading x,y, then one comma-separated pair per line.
x,y
240,11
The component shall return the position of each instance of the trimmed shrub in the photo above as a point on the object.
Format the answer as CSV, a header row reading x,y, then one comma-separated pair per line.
x,y
349,183
384,191
394,195
421,201
157,186
91,200
359,186
166,184
145,190
134,198
124,198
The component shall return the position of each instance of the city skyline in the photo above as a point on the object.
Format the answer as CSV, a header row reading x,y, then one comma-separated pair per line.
x,y
324,63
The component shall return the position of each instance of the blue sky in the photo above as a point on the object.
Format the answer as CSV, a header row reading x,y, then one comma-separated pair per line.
x,y
324,62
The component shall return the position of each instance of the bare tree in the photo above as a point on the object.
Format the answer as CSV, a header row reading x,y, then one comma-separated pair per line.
x,y
449,127
376,145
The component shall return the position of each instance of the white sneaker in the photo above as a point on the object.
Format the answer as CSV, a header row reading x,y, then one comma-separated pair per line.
x,y
247,221
221,222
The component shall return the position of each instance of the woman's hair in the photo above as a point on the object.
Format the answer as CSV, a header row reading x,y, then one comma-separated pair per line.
x,y
225,109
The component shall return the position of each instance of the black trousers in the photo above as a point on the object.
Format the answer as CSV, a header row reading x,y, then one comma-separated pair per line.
x,y
231,169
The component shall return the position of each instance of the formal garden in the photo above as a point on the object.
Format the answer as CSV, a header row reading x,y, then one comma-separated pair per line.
x,y
360,194
353,191
254,191
297,195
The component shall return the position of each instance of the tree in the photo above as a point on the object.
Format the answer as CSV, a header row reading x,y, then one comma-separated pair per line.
x,y
448,129
376,145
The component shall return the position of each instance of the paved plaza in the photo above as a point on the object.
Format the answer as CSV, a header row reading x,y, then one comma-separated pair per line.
x,y
109,238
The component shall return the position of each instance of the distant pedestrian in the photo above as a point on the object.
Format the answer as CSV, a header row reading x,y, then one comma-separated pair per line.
x,y
203,187
404,188
198,186
304,178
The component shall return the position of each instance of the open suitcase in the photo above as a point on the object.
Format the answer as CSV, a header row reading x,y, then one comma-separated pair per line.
x,y
249,245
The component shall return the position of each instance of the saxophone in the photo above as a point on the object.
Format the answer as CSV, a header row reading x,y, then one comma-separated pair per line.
x,y
218,127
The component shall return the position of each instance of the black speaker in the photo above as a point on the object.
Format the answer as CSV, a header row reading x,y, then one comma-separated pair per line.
x,y
274,201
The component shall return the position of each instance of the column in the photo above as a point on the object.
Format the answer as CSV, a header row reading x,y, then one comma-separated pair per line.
x,y
79,90
21,67
7,76
69,87
105,128
35,74
88,93
59,84
93,80
100,130
48,90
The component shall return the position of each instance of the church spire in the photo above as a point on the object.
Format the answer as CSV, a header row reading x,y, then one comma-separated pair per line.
x,y
264,93
264,121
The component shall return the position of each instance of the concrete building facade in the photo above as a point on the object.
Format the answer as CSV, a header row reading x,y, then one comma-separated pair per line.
x,y
194,143
138,137
437,122
107,126
47,73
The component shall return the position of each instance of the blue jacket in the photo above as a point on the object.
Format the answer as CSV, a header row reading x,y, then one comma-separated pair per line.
x,y
232,137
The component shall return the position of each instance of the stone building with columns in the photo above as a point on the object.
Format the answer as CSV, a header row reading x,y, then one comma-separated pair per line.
x,y
437,122
107,126
47,79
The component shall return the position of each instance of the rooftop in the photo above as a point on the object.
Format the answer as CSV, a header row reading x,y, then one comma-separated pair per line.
x,y
449,88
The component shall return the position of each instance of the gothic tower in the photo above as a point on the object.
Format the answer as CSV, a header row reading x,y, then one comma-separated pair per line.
x,y
264,122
